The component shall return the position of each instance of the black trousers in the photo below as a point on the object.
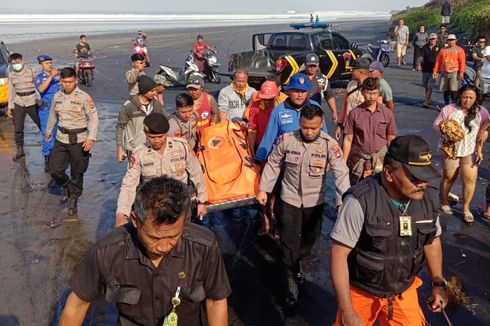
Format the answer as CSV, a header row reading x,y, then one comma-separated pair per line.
x,y
417,52
20,113
73,155
299,228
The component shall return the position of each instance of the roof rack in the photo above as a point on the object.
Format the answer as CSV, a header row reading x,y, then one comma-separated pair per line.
x,y
299,26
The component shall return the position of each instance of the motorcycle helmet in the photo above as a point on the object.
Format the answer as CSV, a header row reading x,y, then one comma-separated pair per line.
x,y
140,40
159,79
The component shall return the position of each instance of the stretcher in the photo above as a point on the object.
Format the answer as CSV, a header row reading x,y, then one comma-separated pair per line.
x,y
230,174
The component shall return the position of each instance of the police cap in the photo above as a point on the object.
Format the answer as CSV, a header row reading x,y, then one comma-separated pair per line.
x,y
156,123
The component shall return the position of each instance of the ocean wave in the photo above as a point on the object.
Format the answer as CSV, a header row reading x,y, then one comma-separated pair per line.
x,y
39,18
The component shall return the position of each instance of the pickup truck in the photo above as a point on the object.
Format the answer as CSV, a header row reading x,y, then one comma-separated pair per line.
x,y
283,54
4,55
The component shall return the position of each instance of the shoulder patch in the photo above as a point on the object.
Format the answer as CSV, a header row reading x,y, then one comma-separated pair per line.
x,y
198,234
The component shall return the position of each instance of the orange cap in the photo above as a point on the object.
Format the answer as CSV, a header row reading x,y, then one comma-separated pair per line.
x,y
268,90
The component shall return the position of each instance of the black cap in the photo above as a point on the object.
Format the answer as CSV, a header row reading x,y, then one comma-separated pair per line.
x,y
156,123
414,153
361,63
145,84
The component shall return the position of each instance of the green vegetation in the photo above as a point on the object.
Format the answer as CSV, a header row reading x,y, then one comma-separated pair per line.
x,y
419,16
474,17
470,16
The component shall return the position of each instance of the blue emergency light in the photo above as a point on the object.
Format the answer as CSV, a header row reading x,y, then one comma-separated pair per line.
x,y
298,26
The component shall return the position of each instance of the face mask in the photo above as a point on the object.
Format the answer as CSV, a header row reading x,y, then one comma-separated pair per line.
x,y
17,66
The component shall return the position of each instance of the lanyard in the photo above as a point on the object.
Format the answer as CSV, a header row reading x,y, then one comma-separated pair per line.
x,y
402,207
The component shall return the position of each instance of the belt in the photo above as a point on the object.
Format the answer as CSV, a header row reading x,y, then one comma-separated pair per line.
x,y
26,93
72,131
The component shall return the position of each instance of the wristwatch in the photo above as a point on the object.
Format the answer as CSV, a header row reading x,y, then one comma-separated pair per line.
x,y
440,284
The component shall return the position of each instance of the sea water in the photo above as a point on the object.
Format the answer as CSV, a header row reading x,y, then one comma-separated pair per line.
x,y
22,27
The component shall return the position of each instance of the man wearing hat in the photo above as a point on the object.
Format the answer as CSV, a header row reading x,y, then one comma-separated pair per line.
x,y
47,83
320,86
387,228
285,117
161,155
451,65
129,128
204,104
376,70
138,64
353,96
259,111
429,56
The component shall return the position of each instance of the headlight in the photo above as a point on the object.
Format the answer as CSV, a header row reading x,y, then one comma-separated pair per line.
x,y
212,60
3,81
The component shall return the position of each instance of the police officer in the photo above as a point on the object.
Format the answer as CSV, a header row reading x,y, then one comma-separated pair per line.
x,y
47,83
77,118
183,123
306,156
22,99
159,269
285,117
161,155
387,227
320,84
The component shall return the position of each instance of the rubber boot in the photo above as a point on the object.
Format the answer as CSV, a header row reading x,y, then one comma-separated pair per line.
x,y
46,164
72,205
65,195
20,152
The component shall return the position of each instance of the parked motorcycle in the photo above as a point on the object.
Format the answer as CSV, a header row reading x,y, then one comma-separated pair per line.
x,y
86,68
178,77
380,52
211,65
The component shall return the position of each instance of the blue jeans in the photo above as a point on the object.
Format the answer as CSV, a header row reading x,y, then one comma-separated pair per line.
x,y
46,146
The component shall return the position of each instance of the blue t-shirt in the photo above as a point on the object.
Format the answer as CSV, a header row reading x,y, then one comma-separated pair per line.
x,y
54,86
284,119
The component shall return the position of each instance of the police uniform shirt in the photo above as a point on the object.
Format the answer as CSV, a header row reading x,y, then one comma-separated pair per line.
x,y
185,130
321,87
118,268
177,162
305,169
21,90
73,111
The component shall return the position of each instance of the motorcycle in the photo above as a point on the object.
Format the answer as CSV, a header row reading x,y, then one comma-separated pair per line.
x,y
86,68
211,65
178,77
380,52
139,46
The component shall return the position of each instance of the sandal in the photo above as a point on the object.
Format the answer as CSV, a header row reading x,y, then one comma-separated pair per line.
x,y
446,209
486,216
468,217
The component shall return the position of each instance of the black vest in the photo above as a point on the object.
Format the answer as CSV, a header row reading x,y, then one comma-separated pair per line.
x,y
383,263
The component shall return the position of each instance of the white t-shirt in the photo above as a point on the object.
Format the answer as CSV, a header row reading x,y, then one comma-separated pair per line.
x,y
485,69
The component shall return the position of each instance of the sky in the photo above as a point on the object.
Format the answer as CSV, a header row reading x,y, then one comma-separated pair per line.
x,y
255,6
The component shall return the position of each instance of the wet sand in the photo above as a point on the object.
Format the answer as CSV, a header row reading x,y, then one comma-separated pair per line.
x,y
41,245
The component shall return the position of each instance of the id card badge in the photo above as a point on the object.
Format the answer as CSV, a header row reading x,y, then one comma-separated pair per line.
x,y
405,226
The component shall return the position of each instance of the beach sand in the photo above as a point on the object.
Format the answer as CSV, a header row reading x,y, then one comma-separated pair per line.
x,y
41,245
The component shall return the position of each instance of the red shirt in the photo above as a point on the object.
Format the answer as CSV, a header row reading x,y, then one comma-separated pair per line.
x,y
204,113
199,48
370,129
